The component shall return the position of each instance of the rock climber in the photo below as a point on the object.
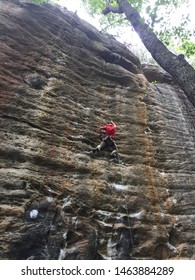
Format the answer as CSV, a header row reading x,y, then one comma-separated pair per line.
x,y
107,133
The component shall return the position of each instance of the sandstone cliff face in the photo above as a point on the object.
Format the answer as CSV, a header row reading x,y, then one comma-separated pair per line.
x,y
60,80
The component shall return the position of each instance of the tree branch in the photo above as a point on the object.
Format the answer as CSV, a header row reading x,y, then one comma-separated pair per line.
x,y
111,9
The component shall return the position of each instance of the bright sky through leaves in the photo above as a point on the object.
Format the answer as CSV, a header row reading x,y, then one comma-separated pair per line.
x,y
76,5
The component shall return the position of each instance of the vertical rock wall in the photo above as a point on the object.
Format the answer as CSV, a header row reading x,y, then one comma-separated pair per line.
x,y
60,80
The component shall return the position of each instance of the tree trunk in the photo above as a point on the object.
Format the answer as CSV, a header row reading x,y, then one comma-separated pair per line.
x,y
176,66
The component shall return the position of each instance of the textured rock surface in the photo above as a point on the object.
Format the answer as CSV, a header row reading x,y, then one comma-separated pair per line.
x,y
60,80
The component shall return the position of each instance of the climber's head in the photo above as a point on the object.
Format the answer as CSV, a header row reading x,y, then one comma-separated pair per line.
x,y
111,123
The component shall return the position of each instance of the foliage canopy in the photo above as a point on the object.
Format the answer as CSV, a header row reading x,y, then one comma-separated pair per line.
x,y
165,17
